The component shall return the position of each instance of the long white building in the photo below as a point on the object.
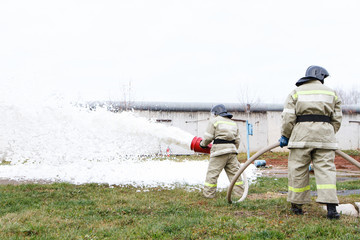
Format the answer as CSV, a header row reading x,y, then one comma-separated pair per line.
x,y
265,120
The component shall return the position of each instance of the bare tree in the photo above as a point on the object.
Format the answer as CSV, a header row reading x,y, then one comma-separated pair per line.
x,y
349,97
126,95
123,100
247,97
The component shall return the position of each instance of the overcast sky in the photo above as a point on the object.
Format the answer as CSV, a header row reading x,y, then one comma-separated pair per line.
x,y
183,51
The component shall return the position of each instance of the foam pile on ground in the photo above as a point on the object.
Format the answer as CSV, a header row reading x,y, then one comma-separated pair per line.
x,y
166,174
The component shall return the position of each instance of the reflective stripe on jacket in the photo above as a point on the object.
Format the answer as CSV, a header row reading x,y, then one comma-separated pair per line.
x,y
311,98
222,128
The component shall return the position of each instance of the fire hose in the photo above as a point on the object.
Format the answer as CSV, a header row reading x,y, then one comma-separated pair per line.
x,y
261,152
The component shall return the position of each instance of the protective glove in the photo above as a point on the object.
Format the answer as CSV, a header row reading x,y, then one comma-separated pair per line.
x,y
203,146
283,141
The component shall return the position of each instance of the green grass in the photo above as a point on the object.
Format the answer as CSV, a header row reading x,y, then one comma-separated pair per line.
x,y
268,155
352,152
91,211
4,162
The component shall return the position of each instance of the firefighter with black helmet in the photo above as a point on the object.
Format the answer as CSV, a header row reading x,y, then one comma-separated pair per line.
x,y
311,117
224,134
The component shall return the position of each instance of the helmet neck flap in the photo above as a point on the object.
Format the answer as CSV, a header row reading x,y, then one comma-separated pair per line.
x,y
313,73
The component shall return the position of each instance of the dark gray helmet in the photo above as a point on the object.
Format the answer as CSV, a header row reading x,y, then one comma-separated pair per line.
x,y
221,111
313,73
317,72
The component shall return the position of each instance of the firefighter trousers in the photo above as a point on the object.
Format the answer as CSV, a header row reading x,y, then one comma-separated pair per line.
x,y
298,175
230,164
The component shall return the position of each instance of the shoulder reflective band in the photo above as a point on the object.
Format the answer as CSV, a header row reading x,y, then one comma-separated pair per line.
x,y
210,185
224,122
295,96
239,183
326,186
299,189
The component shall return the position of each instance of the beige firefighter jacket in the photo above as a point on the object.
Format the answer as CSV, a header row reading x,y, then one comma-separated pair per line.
x,y
316,99
222,128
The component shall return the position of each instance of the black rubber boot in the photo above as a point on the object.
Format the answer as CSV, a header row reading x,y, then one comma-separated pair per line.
x,y
297,209
332,213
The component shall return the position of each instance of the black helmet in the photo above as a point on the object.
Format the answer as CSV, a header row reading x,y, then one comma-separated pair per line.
x,y
313,73
221,111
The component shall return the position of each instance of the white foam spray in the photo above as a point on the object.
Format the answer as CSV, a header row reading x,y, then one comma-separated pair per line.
x,y
49,130
43,137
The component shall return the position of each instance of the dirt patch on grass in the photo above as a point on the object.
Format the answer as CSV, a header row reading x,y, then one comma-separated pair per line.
x,y
276,166
268,195
340,163
4,181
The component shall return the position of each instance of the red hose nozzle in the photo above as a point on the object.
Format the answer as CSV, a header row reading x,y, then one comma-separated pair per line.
x,y
195,145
